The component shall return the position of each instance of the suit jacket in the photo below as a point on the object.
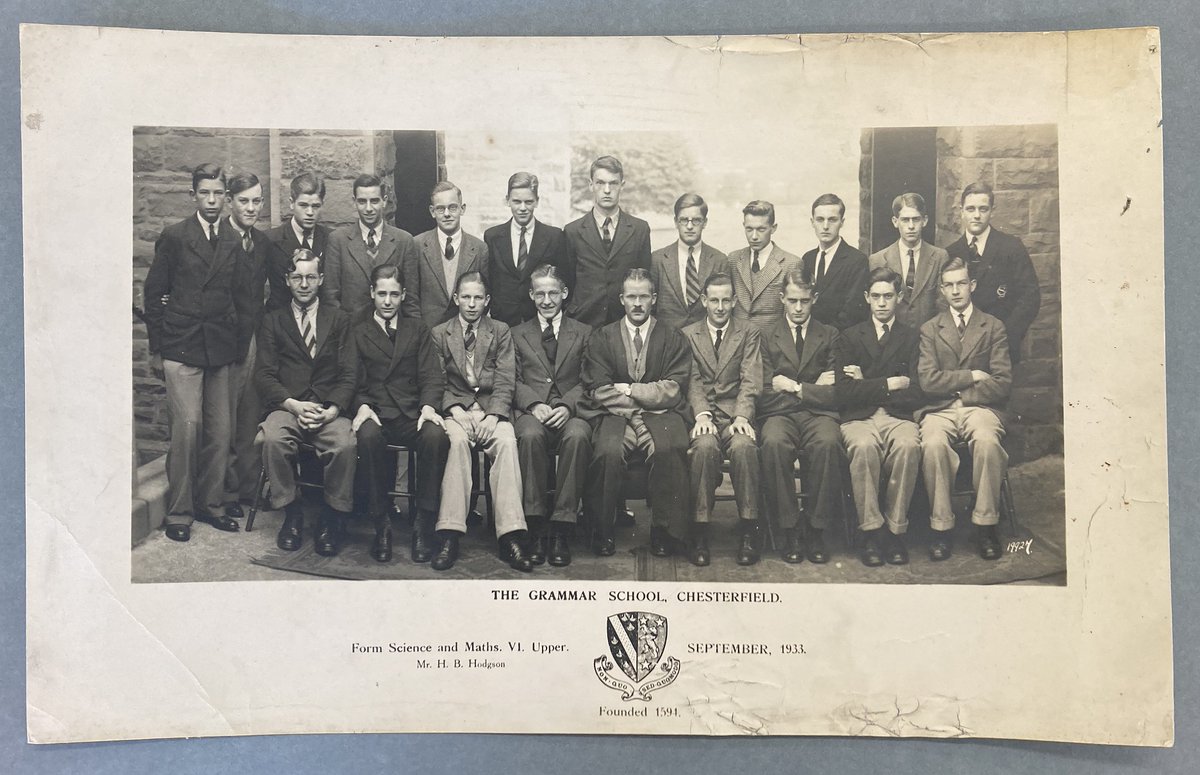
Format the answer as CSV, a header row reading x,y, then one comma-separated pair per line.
x,y
495,366
436,304
396,379
1006,286
664,268
510,289
597,274
249,280
284,369
765,307
539,381
896,357
199,323
662,388
840,301
927,299
946,361
779,358
284,243
348,268
726,385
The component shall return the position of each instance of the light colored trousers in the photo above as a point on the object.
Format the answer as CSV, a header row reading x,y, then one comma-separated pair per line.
x,y
983,431
888,449
198,399
504,481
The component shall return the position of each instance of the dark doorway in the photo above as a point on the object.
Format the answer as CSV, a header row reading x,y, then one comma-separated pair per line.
x,y
416,173
903,160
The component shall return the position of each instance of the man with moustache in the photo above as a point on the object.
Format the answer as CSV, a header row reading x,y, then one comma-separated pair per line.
x,y
838,271
549,356
876,389
306,376
355,250
918,263
605,244
636,374
759,268
965,372
516,247
1006,286
681,269
400,384
447,252
797,411
191,321
725,383
301,230
476,354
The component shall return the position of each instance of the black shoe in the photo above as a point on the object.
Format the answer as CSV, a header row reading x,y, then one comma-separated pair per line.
x,y
512,552
989,542
871,555
537,550
698,553
222,522
328,541
422,539
233,510
895,550
381,548
748,550
817,553
603,546
179,532
662,544
447,552
291,534
793,547
559,551
939,546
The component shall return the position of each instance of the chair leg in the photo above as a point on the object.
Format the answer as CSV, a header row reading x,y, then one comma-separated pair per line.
x,y
258,491
1007,506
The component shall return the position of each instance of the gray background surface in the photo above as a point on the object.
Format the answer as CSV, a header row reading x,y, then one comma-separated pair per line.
x,y
469,753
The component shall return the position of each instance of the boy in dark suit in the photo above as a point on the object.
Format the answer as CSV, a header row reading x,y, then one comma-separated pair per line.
x,y
446,253
549,356
305,376
680,270
300,231
400,383
838,271
192,324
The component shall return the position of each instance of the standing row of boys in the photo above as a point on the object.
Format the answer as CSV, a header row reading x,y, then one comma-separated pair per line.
x,y
583,344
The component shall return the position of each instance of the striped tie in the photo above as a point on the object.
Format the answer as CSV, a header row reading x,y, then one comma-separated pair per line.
x,y
308,333
693,277
962,325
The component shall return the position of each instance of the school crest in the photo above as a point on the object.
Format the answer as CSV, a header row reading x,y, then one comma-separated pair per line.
x,y
636,643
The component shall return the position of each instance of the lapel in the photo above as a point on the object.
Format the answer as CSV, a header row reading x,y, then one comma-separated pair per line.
x,y
880,353
387,246
226,252
433,259
324,323
539,245
289,324
395,347
623,233
533,340
705,267
813,342
670,261
703,348
785,344
591,234
949,334
566,339
768,273
892,258
470,255
289,241
743,269
654,350
484,333
730,344
379,339
924,269
358,250
454,336
972,338
987,257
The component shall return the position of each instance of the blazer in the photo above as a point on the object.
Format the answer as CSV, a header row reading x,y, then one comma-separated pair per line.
x,y
283,244
1006,286
348,268
249,280
927,299
840,301
495,366
199,323
664,269
765,307
284,369
779,358
396,379
662,388
727,385
857,399
539,381
597,274
436,303
946,361
510,289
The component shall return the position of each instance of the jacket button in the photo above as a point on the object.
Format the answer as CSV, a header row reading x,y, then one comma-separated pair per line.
x,y
548,379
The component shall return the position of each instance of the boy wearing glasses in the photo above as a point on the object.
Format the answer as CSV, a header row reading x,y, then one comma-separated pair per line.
x,y
447,253
681,269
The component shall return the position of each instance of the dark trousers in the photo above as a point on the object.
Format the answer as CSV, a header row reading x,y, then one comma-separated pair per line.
x,y
535,443
783,436
706,471
430,445
667,473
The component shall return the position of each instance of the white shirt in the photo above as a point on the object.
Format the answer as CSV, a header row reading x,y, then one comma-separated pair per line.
x,y
829,254
763,254
362,227
683,261
556,322
205,224
383,323
514,234
980,241
966,313
612,227
712,332
632,329
454,239
891,324
312,238
803,330
298,312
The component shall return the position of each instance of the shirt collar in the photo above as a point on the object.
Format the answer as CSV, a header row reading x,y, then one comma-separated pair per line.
x,y
763,254
631,328
556,321
464,323
981,240
300,232
297,310
966,313
240,231
891,324
382,323
205,224
905,248
600,220
362,227
455,238
712,331
683,249
515,229
830,252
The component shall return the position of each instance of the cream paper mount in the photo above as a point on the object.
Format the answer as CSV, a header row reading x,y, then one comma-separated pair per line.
x,y
1088,659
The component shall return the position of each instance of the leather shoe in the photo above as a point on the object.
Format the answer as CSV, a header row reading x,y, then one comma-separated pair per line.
x,y
291,534
989,542
662,544
447,553
559,553
422,543
179,532
221,522
604,546
748,549
793,547
537,550
871,555
939,547
816,548
698,553
234,510
512,552
326,543
896,551
381,548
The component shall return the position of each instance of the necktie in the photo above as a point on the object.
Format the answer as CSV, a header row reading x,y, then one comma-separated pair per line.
x,y
754,267
693,277
307,333
821,267
962,325
522,252
212,234
371,243
637,341
606,235
247,242
884,326
549,343
717,343
391,330
911,277
449,249
307,239
799,344
469,339
974,248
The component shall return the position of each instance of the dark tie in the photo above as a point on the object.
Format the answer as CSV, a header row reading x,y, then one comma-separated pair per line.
x,y
307,245
911,279
307,333
637,341
549,343
469,339
212,234
821,267
799,344
975,248
449,249
522,252
717,342
962,325
371,243
754,267
693,277
606,235
247,242
391,330
884,326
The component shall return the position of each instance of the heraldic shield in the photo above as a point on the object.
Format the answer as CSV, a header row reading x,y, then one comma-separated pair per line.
x,y
636,641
